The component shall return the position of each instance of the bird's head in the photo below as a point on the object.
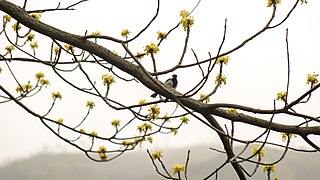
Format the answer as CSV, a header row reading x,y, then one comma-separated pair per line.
x,y
174,76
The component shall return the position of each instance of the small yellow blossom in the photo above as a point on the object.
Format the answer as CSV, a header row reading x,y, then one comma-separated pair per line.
x,y
39,75
184,13
186,20
56,50
140,55
282,96
166,118
7,18
34,45
177,168
125,32
203,96
312,79
150,139
143,128
24,88
161,35
56,95
284,136
175,131
97,33
221,79
126,143
270,2
16,27
223,59
277,178
232,110
90,104
114,52
60,121
107,79
30,37
157,154
102,153
304,1
44,82
0,69
268,168
116,122
69,47
9,48
93,133
142,101
151,49
185,119
102,149
154,112
82,130
36,16
258,151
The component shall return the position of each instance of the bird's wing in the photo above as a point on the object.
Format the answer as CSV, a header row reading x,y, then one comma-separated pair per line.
x,y
169,82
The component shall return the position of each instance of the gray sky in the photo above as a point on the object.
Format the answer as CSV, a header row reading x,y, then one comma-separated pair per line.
x,y
256,73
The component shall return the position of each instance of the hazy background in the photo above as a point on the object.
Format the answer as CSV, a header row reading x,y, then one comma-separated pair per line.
x,y
256,73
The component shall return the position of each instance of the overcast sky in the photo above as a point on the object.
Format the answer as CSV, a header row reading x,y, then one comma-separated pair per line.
x,y
256,73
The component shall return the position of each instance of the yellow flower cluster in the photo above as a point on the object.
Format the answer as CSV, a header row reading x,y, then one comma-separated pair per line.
x,y
177,168
34,45
97,33
60,121
140,55
116,122
16,27
69,47
36,16
125,32
30,37
284,136
223,59
161,35
282,96
151,49
270,2
185,119
9,49
186,20
7,18
82,130
268,168
203,96
107,79
232,110
154,112
143,128
24,88
90,104
56,50
221,79
40,78
94,133
258,151
102,153
312,79
142,101
157,154
56,95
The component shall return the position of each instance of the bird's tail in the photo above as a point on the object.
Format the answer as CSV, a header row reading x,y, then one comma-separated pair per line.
x,y
154,95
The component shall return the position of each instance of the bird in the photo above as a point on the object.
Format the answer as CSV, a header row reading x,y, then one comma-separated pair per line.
x,y
172,82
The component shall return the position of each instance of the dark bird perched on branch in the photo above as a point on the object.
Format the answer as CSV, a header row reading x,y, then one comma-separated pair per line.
x,y
172,82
